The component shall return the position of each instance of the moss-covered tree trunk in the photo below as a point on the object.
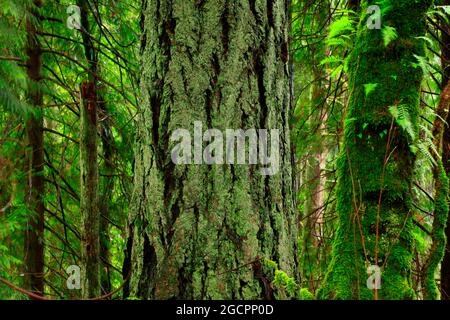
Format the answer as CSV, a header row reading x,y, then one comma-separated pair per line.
x,y
375,166
440,214
34,232
196,230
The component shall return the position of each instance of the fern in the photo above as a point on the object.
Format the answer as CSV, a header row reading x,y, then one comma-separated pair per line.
x,y
341,26
426,39
425,148
369,87
340,32
386,6
422,63
12,104
331,60
441,11
402,117
389,35
13,84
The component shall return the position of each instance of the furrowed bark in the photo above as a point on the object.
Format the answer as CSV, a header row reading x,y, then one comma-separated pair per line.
x,y
196,231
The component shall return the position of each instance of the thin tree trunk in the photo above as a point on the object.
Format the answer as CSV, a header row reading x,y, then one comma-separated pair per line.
x,y
89,192
315,180
375,166
445,58
89,206
34,232
199,231
107,184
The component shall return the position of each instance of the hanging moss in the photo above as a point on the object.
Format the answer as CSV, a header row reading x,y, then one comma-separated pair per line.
x,y
375,166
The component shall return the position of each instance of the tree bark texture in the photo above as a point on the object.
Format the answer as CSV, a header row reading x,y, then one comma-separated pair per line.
x,y
198,231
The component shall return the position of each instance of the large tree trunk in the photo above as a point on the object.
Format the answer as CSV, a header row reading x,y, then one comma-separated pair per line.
x,y
198,231
34,232
375,166
445,57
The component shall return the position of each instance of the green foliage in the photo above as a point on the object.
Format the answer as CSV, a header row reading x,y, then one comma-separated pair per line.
x,y
356,90
282,280
339,30
369,87
287,286
422,63
403,118
389,35
64,67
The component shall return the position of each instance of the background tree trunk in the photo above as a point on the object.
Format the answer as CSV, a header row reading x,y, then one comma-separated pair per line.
x,y
34,232
103,199
196,231
317,153
89,200
89,192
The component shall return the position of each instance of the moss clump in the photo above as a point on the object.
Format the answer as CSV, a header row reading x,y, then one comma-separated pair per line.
x,y
305,294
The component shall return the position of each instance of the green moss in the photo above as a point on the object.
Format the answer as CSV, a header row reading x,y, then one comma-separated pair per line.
x,y
375,166
438,233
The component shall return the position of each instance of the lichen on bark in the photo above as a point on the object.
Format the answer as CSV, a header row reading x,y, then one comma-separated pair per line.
x,y
196,230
